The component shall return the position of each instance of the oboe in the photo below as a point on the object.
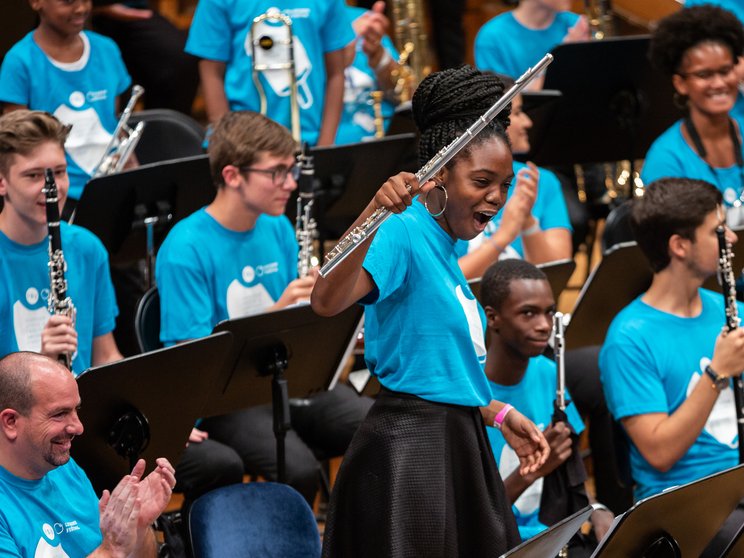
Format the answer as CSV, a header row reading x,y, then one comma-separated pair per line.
x,y
728,285
305,225
361,233
59,302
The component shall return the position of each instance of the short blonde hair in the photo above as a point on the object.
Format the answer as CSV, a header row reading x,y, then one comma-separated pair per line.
x,y
22,131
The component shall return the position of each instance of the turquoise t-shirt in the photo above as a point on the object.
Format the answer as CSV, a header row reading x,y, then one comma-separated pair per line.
x,y
81,93
505,46
424,329
24,290
220,31
207,273
358,116
649,363
533,397
54,516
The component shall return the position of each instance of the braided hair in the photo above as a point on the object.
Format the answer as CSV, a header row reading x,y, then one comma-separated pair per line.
x,y
688,28
446,103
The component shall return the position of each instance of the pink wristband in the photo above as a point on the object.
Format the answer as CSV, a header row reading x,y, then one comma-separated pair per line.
x,y
498,420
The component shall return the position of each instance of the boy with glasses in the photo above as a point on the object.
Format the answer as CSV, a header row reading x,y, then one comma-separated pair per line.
x,y
238,257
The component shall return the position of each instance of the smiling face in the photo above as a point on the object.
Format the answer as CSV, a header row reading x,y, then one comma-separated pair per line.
x,y
21,188
477,184
45,433
707,77
525,320
63,17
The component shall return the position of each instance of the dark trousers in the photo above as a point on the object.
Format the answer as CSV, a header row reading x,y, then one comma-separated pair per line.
x,y
322,427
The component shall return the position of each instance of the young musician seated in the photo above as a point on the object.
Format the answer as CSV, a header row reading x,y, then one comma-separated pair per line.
x,y
75,74
31,141
666,366
47,504
238,257
519,307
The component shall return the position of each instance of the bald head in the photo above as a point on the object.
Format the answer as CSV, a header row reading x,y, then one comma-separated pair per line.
x,y
17,372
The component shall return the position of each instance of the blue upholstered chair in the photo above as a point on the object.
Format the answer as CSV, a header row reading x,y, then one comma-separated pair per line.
x,y
265,519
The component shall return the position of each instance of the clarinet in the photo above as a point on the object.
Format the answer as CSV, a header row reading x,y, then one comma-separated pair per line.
x,y
59,302
305,225
359,234
728,286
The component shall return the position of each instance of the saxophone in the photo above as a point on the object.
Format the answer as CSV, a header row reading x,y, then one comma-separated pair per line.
x,y
409,36
305,226
359,234
59,302
728,285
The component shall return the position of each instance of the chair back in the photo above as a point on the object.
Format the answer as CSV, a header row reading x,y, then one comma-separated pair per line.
x,y
168,135
265,519
617,227
147,321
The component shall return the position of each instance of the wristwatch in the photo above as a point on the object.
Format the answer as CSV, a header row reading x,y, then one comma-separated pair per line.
x,y
719,382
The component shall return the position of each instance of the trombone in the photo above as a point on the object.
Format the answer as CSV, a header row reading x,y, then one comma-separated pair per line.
x,y
123,141
272,47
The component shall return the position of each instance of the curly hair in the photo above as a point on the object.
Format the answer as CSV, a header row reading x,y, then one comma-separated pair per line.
x,y
689,27
446,103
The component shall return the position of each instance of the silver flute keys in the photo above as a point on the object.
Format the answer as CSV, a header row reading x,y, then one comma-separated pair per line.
x,y
362,232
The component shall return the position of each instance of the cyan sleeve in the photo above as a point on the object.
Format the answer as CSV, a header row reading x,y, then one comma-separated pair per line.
x,y
209,35
15,82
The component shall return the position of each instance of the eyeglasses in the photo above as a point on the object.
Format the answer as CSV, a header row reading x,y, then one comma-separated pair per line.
x,y
278,174
707,75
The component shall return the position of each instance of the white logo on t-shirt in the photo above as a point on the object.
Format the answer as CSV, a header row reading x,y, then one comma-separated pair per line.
x,y
77,99
247,301
46,550
27,324
470,307
529,501
249,274
721,423
278,79
88,138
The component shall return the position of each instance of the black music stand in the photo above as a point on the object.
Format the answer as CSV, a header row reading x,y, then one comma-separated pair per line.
x,y
614,104
288,353
132,211
348,176
622,274
679,522
549,543
558,272
145,406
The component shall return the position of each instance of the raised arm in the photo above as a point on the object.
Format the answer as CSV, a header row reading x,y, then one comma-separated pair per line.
x,y
349,282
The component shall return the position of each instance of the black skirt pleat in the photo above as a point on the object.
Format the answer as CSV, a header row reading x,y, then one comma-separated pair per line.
x,y
419,480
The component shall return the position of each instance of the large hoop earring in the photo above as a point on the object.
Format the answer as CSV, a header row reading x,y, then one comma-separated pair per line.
x,y
441,187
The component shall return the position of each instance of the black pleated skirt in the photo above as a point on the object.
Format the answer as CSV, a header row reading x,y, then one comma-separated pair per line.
x,y
419,480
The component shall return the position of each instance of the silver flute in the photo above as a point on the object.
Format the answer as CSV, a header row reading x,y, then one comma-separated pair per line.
x,y
359,234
